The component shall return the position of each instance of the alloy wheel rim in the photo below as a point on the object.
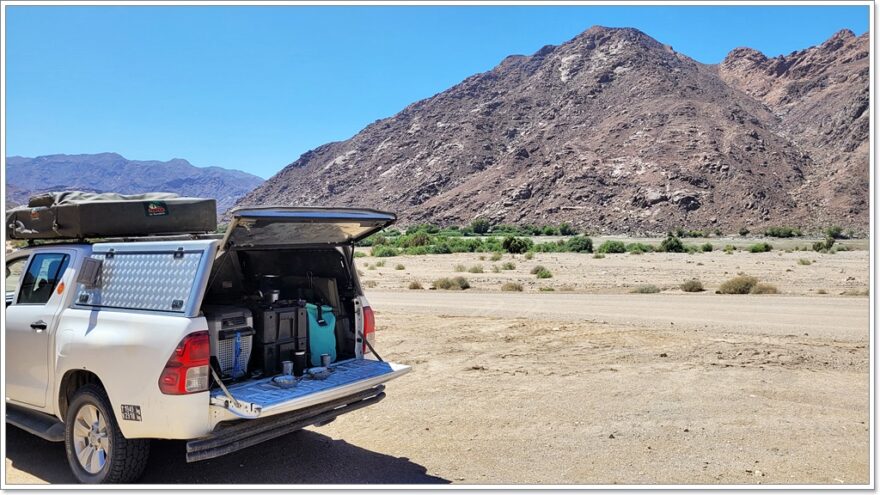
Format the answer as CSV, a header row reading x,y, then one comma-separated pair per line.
x,y
91,441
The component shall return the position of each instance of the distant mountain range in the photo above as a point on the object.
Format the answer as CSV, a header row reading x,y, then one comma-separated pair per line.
x,y
110,172
614,131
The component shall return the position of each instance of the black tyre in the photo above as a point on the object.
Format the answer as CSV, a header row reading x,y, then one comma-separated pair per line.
x,y
96,450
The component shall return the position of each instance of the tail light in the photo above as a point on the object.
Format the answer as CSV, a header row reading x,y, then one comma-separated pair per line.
x,y
186,371
369,328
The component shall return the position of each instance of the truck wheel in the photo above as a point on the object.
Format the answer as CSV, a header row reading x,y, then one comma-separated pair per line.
x,y
96,450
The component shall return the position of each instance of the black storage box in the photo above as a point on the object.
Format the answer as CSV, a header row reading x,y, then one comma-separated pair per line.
x,y
76,215
280,333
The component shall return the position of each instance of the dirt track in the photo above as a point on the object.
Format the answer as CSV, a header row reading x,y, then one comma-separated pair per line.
x,y
580,388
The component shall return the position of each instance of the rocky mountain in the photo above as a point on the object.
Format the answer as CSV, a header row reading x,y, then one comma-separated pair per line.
x,y
111,172
821,99
614,131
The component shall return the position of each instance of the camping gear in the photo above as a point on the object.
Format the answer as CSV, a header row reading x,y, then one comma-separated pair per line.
x,y
78,215
231,338
282,331
322,335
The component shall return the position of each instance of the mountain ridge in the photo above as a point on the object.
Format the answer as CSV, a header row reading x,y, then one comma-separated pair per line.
x,y
611,131
112,172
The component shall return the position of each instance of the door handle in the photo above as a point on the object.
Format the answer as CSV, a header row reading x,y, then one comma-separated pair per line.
x,y
39,325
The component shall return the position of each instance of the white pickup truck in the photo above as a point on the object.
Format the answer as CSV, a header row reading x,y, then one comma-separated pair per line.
x,y
111,344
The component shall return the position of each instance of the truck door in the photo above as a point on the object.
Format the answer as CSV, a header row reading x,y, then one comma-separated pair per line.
x,y
30,320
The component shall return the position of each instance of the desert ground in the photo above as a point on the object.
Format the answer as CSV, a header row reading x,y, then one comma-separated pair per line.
x,y
585,384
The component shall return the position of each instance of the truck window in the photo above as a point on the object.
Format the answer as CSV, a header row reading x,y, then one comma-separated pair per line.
x,y
41,278
13,275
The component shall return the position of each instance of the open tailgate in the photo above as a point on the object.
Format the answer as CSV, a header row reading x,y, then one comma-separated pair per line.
x,y
259,398
292,227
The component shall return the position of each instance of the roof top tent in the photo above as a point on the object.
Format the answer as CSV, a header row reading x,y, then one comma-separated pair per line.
x,y
81,215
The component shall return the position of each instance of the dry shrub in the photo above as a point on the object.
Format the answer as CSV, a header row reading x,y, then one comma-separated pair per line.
x,y
454,283
692,285
764,289
646,289
512,287
738,285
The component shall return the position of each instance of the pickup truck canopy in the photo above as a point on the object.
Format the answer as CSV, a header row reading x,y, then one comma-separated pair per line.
x,y
291,227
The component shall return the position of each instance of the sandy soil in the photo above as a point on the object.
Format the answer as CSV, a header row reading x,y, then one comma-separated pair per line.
x,y
593,386
620,273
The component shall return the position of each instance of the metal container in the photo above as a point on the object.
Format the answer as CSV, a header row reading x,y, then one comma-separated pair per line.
x,y
287,367
325,360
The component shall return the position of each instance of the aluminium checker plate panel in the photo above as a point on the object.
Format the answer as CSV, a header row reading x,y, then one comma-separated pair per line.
x,y
164,277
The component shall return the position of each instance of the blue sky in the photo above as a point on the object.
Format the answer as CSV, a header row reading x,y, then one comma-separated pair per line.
x,y
254,87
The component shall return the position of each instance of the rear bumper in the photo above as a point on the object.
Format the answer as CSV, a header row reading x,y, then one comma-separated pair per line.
x,y
229,437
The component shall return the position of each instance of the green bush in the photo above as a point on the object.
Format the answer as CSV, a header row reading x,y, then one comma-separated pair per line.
x,y
359,254
480,226
761,247
645,289
530,255
380,263
782,232
805,262
476,269
609,247
566,229
459,268
835,232
598,256
549,230
439,249
399,267
547,289
495,257
455,283
707,248
425,227
541,272
823,245
415,240
639,248
729,248
764,289
743,232
741,284
692,285
415,285
512,287
580,244
508,265
517,245
383,251
672,244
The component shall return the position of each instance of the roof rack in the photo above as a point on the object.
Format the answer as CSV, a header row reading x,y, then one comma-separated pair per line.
x,y
147,238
